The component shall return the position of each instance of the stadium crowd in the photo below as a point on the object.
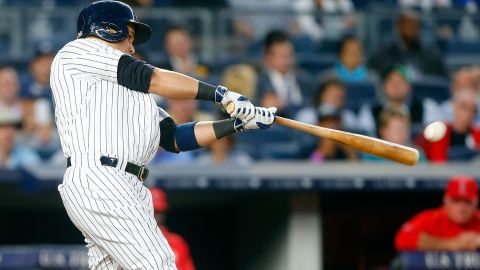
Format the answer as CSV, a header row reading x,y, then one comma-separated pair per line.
x,y
391,93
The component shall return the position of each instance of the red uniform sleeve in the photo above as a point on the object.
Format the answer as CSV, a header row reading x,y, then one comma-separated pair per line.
x,y
408,235
183,258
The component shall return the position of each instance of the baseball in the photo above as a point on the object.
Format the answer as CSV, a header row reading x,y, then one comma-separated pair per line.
x,y
435,131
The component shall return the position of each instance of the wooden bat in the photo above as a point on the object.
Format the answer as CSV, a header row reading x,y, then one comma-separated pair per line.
x,y
396,152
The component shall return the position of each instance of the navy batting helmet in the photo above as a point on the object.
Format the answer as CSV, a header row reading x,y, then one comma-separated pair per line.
x,y
108,20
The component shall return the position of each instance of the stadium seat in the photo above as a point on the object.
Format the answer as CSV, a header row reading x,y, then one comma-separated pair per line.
x,y
314,63
461,153
359,93
457,46
433,87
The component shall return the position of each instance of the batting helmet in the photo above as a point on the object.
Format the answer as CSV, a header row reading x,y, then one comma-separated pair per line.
x,y
108,20
159,200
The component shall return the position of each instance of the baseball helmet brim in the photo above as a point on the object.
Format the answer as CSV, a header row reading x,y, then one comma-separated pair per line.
x,y
142,33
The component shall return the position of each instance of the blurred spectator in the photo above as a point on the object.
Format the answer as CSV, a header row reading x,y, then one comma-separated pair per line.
x,y
453,227
278,84
242,79
425,5
180,55
460,134
325,19
12,154
396,96
223,152
394,126
463,80
37,85
331,92
181,111
329,117
350,67
44,139
252,19
9,92
179,246
409,51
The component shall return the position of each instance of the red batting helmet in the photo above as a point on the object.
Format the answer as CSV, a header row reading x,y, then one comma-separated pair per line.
x,y
159,200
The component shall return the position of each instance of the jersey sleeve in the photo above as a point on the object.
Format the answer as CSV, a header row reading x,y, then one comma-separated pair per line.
x,y
408,235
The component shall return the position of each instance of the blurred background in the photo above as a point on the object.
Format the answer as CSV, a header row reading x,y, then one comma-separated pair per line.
x,y
278,199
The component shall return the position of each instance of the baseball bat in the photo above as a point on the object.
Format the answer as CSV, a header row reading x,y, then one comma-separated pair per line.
x,y
392,151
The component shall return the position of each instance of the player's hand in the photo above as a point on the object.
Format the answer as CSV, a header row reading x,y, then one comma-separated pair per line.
x,y
263,119
244,109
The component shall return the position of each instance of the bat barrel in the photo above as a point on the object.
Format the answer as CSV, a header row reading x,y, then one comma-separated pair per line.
x,y
396,152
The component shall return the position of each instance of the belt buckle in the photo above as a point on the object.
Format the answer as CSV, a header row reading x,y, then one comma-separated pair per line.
x,y
142,173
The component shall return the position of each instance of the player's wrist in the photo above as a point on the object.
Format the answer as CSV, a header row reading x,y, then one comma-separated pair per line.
x,y
210,92
223,128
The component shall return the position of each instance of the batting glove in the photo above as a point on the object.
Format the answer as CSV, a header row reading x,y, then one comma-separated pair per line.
x,y
244,109
263,119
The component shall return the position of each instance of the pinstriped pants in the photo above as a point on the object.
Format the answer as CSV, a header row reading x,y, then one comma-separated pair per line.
x,y
114,211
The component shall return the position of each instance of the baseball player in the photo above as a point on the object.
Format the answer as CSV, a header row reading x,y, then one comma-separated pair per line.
x,y
110,127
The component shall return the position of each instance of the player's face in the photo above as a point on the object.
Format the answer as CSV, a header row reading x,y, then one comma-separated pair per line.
x,y
126,45
460,210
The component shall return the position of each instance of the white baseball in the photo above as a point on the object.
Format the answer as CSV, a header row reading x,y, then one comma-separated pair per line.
x,y
435,131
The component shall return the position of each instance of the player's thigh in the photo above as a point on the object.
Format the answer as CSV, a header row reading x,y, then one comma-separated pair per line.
x,y
120,220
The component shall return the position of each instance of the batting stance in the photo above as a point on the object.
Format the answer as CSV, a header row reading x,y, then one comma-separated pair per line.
x,y
110,127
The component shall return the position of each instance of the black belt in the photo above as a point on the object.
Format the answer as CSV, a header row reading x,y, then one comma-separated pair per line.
x,y
139,171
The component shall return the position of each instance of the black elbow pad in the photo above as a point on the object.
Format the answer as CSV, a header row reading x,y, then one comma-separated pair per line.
x,y
168,129
134,74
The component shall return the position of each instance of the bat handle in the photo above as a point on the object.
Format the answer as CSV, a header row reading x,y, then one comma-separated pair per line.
x,y
230,108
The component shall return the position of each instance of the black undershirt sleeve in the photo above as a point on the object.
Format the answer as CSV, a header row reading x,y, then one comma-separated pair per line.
x,y
168,129
134,74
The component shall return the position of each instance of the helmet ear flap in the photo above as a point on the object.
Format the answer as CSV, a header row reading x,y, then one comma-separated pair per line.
x,y
111,32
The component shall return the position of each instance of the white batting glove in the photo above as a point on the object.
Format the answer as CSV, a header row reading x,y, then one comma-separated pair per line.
x,y
263,119
244,109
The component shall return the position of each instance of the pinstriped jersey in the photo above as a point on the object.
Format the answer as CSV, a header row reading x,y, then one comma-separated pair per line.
x,y
95,115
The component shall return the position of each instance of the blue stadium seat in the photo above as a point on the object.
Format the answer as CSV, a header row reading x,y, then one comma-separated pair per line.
x,y
457,46
432,87
461,153
314,63
359,93
279,151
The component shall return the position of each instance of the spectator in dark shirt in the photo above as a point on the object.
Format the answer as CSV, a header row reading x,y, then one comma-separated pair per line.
x,y
409,51
397,96
278,84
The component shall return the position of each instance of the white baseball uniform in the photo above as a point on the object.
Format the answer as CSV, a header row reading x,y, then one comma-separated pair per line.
x,y
97,116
